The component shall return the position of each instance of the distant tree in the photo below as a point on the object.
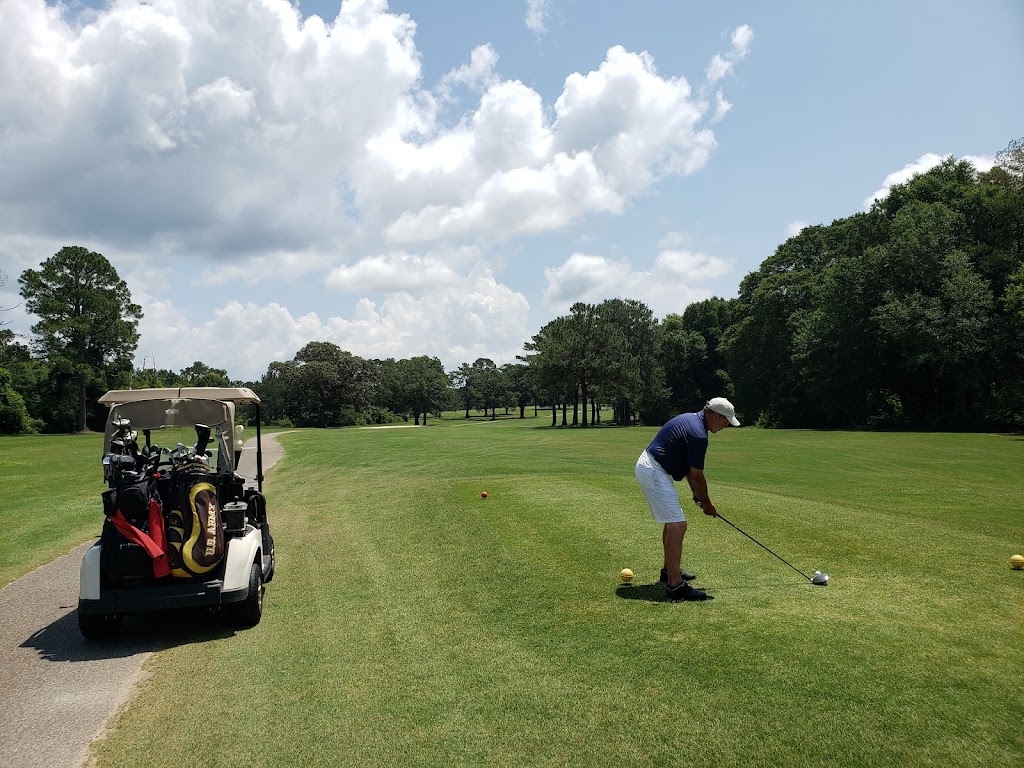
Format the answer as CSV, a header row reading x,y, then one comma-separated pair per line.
x,y
88,323
201,375
329,386
462,381
895,317
387,395
13,413
490,385
683,354
630,372
424,386
275,392
550,357
3,281
585,341
520,385
146,378
1011,160
315,392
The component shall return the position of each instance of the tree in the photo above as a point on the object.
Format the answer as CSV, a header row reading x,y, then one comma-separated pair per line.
x,y
690,353
144,378
551,362
274,390
329,386
3,282
424,386
462,381
519,384
629,372
316,387
201,375
13,414
490,384
88,322
683,354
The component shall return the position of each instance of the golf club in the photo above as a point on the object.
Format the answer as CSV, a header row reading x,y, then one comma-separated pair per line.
x,y
819,579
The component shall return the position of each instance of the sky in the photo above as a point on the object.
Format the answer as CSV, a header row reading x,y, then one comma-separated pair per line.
x,y
443,178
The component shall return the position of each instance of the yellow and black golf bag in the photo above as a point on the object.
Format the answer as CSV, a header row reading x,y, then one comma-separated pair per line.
x,y
195,536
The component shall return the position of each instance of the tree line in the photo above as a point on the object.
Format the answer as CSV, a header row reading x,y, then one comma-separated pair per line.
x,y
909,315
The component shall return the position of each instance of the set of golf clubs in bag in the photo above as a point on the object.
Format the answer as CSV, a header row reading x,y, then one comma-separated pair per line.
x,y
162,512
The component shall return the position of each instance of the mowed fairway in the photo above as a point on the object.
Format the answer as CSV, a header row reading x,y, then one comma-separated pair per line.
x,y
414,623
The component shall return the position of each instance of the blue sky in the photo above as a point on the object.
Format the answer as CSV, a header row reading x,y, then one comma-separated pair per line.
x,y
443,178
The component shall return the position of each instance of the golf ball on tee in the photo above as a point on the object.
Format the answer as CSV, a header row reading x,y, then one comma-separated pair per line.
x,y
1017,562
626,575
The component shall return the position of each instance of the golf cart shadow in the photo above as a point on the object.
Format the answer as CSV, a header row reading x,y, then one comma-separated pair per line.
x,y
652,593
140,633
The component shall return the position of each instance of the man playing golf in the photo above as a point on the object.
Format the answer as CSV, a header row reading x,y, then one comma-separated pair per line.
x,y
677,451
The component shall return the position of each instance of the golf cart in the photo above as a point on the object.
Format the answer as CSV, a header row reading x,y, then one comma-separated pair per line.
x,y
181,528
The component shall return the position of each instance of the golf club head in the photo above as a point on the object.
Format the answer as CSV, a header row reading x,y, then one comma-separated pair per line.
x,y
202,438
820,579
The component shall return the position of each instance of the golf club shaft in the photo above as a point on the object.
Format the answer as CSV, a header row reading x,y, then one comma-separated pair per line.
x,y
762,546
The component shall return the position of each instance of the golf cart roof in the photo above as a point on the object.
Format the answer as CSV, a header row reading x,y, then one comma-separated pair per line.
x,y
232,394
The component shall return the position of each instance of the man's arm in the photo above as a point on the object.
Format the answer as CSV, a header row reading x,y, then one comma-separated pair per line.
x,y
699,486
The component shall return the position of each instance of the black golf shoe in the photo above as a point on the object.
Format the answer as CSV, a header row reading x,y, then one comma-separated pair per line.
x,y
683,591
687,576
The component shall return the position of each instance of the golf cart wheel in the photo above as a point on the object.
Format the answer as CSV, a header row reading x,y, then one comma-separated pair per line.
x,y
249,612
98,626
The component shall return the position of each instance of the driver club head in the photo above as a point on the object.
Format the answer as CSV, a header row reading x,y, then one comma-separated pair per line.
x,y
820,579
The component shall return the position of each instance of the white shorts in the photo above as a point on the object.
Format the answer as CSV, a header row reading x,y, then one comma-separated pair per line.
x,y
659,490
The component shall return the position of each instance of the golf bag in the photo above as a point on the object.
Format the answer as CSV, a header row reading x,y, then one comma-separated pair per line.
x,y
195,535
133,548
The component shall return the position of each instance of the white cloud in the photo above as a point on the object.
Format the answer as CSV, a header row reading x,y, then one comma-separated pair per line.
x,y
638,125
477,75
923,164
202,165
392,272
520,201
666,288
741,39
795,227
983,163
720,66
722,107
507,169
537,13
687,265
470,314
218,147
320,135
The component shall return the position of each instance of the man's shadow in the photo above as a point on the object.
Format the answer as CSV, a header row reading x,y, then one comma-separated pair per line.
x,y
652,593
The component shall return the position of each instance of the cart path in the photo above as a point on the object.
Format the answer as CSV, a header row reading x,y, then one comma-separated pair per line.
x,y
57,690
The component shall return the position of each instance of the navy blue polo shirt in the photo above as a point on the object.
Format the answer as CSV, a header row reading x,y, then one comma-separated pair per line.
x,y
681,444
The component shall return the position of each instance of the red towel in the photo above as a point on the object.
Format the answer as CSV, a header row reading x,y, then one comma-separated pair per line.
x,y
155,543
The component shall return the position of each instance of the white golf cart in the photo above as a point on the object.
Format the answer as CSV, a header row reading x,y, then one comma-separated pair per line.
x,y
181,528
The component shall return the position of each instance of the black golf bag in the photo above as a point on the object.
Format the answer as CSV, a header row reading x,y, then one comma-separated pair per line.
x,y
133,548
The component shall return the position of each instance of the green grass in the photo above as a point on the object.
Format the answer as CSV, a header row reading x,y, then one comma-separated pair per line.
x,y
49,498
414,623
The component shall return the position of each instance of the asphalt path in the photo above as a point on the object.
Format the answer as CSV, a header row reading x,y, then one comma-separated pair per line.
x,y
58,690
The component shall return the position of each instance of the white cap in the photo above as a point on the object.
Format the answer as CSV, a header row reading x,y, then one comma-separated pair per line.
x,y
724,407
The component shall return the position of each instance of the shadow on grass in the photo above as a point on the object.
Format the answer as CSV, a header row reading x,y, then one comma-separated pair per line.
x,y
655,593
141,633
652,593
